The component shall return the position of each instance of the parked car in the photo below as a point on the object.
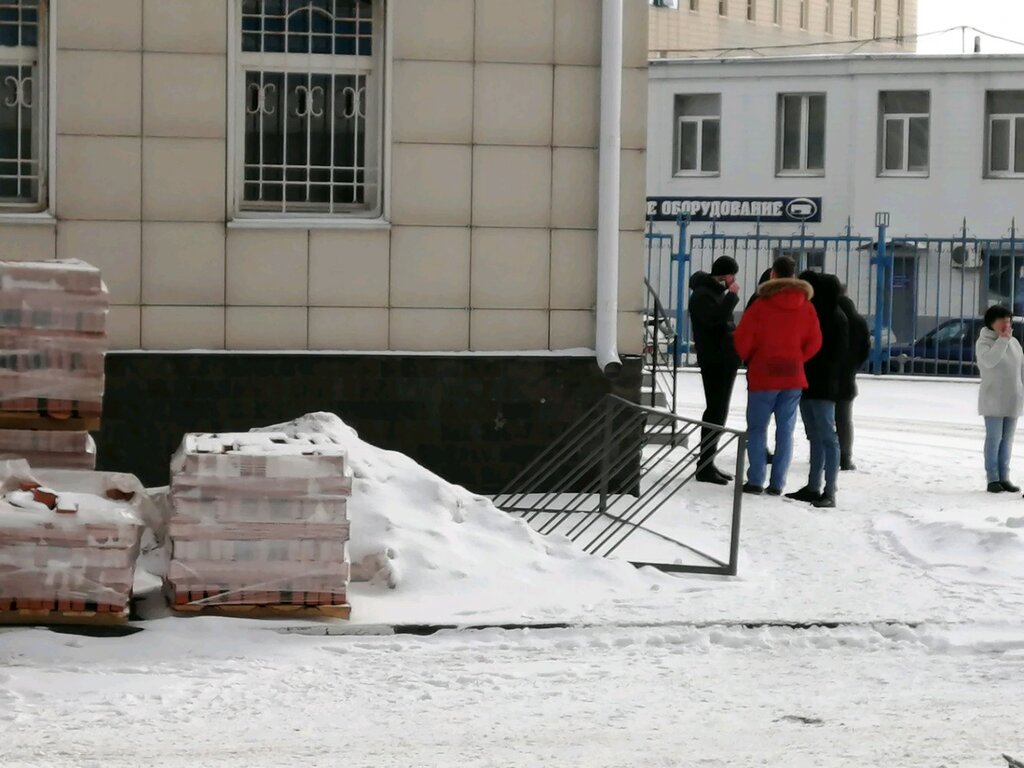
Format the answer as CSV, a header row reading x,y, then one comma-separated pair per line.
x,y
946,350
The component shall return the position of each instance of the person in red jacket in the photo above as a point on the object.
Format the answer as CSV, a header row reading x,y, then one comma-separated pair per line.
x,y
777,334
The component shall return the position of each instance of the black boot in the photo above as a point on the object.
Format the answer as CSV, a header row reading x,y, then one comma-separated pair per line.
x,y
995,487
804,494
1009,487
709,475
753,490
825,502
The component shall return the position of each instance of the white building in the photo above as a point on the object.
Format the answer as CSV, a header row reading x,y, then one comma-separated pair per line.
x,y
932,140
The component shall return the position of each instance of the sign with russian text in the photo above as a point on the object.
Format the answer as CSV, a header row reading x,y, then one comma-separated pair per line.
x,y
764,209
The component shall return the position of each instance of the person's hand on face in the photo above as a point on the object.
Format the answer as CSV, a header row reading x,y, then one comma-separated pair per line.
x,y
731,285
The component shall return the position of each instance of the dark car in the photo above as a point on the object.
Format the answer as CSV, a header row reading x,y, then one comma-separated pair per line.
x,y
946,350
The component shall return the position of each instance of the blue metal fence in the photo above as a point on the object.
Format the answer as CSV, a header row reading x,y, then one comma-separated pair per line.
x,y
923,296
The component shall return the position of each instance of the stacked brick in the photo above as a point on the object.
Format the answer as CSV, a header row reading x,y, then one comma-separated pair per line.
x,y
66,553
259,519
53,343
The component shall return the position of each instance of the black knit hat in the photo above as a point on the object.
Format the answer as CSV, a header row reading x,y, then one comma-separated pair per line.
x,y
724,265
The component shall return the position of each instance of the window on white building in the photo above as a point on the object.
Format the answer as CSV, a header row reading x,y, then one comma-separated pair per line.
x,y
853,18
309,88
876,22
804,12
751,10
723,7
23,97
903,133
777,12
1004,111
801,134
830,12
698,134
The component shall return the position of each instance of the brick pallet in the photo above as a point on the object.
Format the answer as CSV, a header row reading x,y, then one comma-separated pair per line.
x,y
53,345
259,521
65,558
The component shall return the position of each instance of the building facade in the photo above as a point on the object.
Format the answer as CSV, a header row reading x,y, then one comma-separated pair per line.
x,y
320,176
932,141
714,28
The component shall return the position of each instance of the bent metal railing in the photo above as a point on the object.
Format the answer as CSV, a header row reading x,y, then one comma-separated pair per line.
x,y
600,485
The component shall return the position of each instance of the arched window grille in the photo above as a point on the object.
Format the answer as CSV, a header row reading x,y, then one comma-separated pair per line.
x,y
309,91
23,96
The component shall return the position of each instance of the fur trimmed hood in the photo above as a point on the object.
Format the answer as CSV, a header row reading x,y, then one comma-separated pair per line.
x,y
779,284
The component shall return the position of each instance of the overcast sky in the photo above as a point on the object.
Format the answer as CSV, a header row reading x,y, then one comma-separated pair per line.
x,y
1000,17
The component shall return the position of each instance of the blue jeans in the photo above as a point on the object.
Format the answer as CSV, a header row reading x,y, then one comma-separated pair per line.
x,y
820,422
782,403
998,445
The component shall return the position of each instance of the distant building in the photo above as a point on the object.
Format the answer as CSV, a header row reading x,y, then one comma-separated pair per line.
x,y
710,28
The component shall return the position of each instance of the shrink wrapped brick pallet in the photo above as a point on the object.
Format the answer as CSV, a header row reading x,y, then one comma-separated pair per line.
x,y
53,345
52,338
65,557
259,519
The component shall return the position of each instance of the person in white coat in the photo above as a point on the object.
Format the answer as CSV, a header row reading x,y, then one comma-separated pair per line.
x,y
1001,397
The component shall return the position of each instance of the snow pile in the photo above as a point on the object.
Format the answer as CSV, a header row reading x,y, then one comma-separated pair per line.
x,y
429,548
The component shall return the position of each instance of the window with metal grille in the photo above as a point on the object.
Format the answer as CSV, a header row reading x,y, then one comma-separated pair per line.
x,y
801,134
308,99
22,105
1005,135
698,134
903,128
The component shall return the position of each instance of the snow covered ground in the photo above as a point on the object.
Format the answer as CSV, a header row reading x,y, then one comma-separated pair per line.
x,y
915,585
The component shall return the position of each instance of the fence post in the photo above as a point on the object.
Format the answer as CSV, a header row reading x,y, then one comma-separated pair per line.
x,y
606,459
682,258
880,262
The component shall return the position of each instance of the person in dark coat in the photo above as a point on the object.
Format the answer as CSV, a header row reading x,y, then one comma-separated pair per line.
x,y
713,300
824,374
764,278
856,354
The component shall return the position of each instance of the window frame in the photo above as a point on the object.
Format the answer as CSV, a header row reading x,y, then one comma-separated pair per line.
x,y
723,8
853,19
699,121
42,208
694,6
805,126
751,10
805,14
777,13
240,217
883,142
1011,118
830,16
876,21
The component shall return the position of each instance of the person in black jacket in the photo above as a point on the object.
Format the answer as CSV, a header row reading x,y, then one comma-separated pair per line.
x,y
856,354
818,403
713,300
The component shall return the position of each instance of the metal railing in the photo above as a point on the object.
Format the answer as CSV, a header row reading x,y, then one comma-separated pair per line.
x,y
661,350
599,487
923,296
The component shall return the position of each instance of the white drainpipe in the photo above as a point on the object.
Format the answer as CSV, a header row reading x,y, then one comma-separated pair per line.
x,y
606,342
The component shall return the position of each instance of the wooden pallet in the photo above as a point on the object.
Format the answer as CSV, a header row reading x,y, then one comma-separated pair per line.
x,y
268,611
43,617
28,420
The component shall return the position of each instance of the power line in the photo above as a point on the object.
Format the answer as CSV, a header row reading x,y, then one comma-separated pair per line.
x,y
858,42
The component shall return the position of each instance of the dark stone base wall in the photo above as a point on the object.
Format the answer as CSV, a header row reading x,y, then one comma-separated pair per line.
x,y
476,421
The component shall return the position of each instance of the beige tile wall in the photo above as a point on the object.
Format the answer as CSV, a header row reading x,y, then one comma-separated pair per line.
x,y
493,175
